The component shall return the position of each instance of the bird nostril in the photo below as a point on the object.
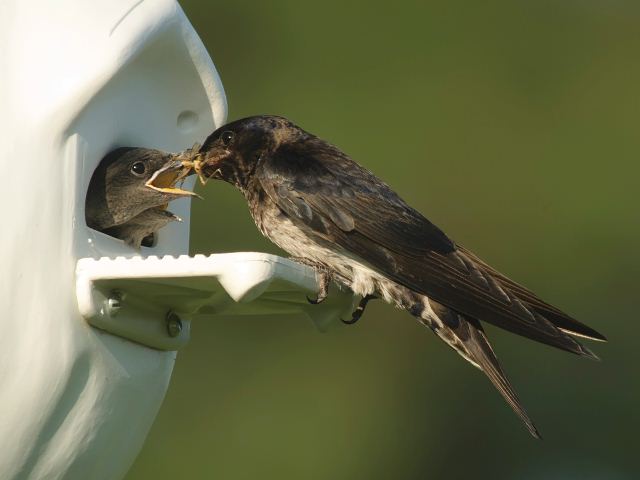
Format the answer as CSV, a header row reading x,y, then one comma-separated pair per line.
x,y
187,121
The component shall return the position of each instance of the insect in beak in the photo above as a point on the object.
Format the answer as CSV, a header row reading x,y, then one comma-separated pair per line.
x,y
195,163
191,160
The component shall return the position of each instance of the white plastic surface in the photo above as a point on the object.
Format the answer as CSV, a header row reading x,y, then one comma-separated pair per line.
x,y
226,283
77,79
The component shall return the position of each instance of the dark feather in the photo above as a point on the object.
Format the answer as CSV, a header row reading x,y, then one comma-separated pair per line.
x,y
555,315
466,336
316,184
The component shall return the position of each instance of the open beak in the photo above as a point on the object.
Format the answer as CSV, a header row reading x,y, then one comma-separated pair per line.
x,y
165,179
180,167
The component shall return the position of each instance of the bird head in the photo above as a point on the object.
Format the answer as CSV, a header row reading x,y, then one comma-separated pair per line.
x,y
233,152
129,181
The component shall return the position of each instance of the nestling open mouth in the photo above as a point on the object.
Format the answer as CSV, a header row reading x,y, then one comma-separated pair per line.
x,y
165,179
189,162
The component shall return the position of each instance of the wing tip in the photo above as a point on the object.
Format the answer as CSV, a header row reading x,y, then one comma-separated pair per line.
x,y
573,346
592,335
587,353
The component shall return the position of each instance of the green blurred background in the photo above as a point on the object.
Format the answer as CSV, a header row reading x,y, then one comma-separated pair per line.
x,y
513,125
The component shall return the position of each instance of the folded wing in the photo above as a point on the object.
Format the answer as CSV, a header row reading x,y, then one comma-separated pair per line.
x,y
342,203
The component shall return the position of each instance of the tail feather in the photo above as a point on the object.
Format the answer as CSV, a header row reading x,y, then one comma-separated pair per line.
x,y
466,336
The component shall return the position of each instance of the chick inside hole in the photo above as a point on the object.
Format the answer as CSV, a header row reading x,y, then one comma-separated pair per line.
x,y
120,202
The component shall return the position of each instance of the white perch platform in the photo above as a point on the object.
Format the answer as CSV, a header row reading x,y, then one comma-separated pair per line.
x,y
152,300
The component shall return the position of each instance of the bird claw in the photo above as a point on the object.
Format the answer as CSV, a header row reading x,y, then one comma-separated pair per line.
x,y
323,292
357,313
318,300
350,322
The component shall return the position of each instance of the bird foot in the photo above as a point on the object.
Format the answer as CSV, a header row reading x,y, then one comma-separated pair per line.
x,y
357,313
324,280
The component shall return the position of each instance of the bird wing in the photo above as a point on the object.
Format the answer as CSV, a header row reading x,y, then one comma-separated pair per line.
x,y
335,199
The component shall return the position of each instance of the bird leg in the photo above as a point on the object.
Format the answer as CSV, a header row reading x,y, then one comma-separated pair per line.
x,y
357,313
324,278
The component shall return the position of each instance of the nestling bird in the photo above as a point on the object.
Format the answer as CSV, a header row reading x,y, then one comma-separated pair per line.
x,y
327,211
128,194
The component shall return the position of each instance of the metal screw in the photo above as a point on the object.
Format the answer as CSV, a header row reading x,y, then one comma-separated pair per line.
x,y
114,302
174,324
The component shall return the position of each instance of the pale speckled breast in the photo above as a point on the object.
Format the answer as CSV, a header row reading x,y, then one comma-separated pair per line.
x,y
353,272
278,228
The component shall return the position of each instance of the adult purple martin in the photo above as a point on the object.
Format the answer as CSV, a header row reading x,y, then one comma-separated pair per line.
x,y
325,210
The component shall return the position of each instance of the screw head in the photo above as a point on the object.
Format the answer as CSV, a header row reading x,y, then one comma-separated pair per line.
x,y
114,302
174,324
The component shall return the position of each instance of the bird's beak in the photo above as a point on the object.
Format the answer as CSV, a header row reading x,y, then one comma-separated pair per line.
x,y
165,179
180,167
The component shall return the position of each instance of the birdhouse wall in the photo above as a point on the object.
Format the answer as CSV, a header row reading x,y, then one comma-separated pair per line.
x,y
78,80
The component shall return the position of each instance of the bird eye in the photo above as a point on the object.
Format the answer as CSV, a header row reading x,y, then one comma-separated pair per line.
x,y
227,137
138,168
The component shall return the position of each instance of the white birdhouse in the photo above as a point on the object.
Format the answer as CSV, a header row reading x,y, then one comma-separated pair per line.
x,y
90,326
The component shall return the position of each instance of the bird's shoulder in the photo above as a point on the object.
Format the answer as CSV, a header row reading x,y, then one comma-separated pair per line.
x,y
311,164
318,184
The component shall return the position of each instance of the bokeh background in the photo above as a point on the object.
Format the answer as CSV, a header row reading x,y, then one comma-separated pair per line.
x,y
513,125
